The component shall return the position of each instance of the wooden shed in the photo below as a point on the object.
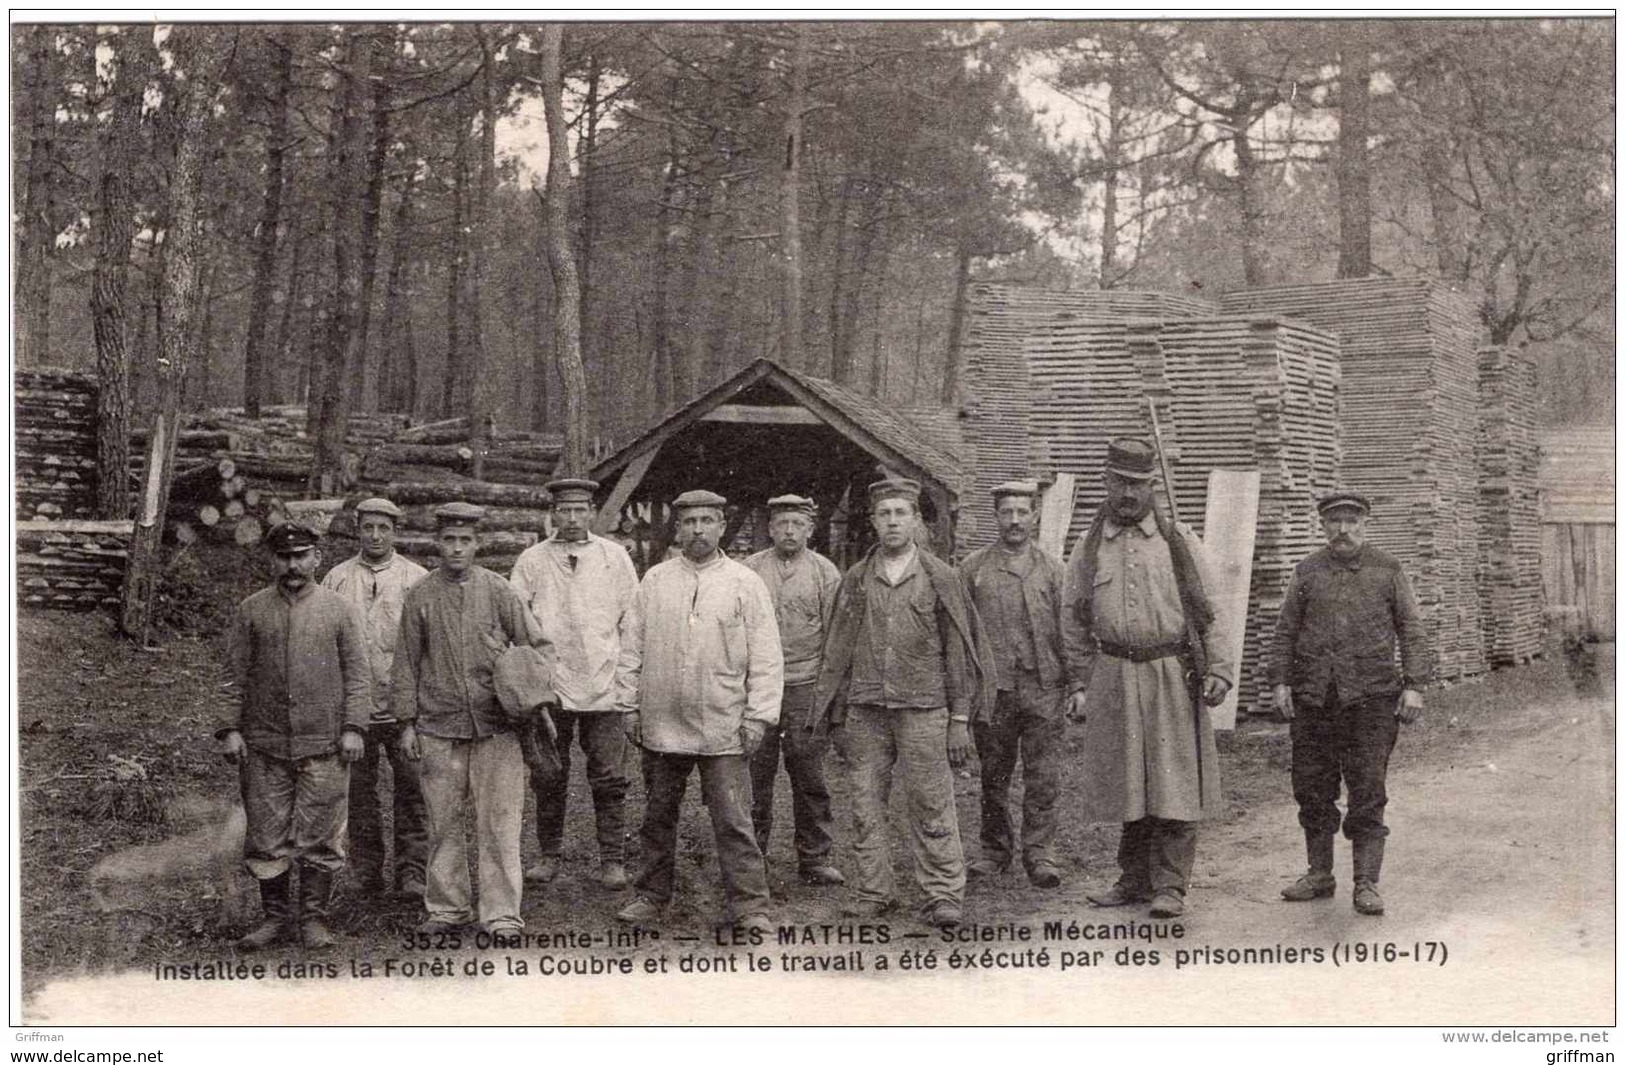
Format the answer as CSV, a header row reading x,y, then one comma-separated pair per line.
x,y
1577,529
765,431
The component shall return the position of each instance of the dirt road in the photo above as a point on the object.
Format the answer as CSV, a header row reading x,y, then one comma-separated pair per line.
x,y
1502,857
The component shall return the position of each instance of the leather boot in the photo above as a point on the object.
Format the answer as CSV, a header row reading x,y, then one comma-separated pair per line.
x,y
1367,870
316,898
274,926
1318,882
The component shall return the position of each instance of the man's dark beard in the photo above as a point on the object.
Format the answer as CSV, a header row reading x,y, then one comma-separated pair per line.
x,y
1131,510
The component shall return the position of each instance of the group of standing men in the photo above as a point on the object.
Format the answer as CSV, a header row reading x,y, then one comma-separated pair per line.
x,y
724,668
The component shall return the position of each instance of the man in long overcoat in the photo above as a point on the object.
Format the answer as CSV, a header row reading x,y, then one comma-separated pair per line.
x,y
1137,621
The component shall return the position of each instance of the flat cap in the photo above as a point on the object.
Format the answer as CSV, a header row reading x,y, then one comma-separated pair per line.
x,y
797,504
1132,458
379,505
572,489
699,497
894,488
1015,488
291,538
1343,498
458,514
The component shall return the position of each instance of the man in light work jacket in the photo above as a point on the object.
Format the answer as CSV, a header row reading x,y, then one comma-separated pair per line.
x,y
375,580
904,669
802,583
1332,666
295,717
1017,591
700,679
578,587
1136,588
456,622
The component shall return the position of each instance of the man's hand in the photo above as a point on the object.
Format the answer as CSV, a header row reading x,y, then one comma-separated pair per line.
x,y
751,734
959,744
409,743
1283,703
629,726
1075,707
1409,710
351,745
1214,689
232,746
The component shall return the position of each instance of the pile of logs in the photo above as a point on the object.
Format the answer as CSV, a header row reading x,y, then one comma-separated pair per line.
x,y
55,438
1509,562
71,565
1409,423
445,449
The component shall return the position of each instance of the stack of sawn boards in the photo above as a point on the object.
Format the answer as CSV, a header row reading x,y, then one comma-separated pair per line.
x,y
55,430
1410,435
1509,540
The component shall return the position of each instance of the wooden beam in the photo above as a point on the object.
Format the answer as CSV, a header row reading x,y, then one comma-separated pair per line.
x,y
1231,524
636,470
745,414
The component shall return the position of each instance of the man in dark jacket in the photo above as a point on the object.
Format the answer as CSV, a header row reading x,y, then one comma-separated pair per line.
x,y
1333,670
295,718
905,669
1017,591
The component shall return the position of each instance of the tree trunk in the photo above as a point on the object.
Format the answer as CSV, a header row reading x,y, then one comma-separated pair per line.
x,y
480,244
790,323
1354,155
846,357
114,230
668,392
561,257
396,306
454,368
37,231
1248,197
194,109
277,388
257,383
364,370
956,329
1112,161
840,370
589,212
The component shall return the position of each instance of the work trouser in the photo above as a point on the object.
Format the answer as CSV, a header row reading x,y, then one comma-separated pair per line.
x,y
725,789
1348,744
490,774
803,752
297,809
1155,855
1026,723
366,810
603,741
917,741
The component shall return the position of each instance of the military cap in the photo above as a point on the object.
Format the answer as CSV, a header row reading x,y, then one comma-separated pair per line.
x,y
291,538
458,514
1029,489
792,504
571,489
379,505
1343,498
699,497
1131,457
894,488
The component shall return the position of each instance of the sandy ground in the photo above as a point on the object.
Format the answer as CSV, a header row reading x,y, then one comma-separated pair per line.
x,y
1502,852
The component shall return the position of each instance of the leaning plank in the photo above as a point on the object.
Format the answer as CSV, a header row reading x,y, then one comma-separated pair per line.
x,y
1231,527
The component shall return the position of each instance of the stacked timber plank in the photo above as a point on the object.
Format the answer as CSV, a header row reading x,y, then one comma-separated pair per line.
x,y
1009,332
71,565
1509,574
54,427
1410,436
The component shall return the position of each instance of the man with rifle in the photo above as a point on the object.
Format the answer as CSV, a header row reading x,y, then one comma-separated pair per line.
x,y
1144,663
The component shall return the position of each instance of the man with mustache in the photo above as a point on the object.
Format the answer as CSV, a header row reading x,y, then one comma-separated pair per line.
x,y
699,684
1332,667
376,580
1136,598
295,718
1017,591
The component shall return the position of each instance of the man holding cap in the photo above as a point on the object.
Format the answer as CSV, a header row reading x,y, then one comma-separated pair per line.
x,y
906,667
1135,603
295,716
802,583
456,623
1332,665
578,586
699,681
1017,591
375,581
